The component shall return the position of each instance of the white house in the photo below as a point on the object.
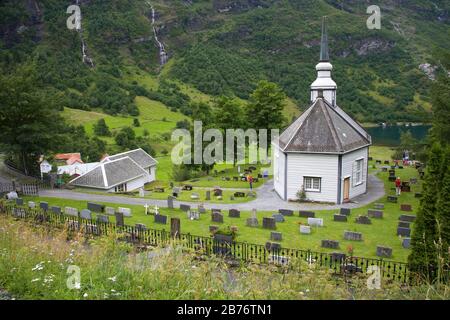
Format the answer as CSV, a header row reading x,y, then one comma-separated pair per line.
x,y
77,168
122,172
324,151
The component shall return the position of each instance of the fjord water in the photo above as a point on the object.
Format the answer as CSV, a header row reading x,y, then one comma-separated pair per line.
x,y
390,135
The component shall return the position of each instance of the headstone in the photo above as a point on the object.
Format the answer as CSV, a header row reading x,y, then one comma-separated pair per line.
x,y
56,209
404,232
337,256
407,217
141,192
345,211
175,227
85,214
269,223
110,211
331,244
185,207
31,204
201,208
315,222
413,180
377,214
340,218
208,195
278,217
233,213
19,201
218,192
176,191
195,196
272,246
305,229
286,212
234,229
392,199
351,235
386,161
43,205
170,202
213,229
404,224
384,252
253,220
187,187
140,227
159,218
406,243
101,218
95,207
379,206
306,214
216,210
363,220
276,236
12,195
193,215
384,169
119,218
239,194
71,211
405,207
217,217
126,211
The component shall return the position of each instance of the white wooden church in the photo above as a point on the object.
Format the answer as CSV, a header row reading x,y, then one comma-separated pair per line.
x,y
324,151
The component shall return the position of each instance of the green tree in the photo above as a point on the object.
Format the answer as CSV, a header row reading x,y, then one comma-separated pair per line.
x,y
101,128
136,122
441,109
201,111
424,236
30,124
125,138
443,208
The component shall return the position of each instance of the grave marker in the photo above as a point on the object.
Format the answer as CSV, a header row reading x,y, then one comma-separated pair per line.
x,y
159,218
331,244
193,215
19,201
306,214
337,256
208,195
101,218
233,213
85,214
407,217
71,211
119,219
315,222
379,206
276,236
353,236
217,217
404,232
278,217
95,207
404,224
213,229
110,211
175,227
345,211
56,209
384,252
405,207
272,246
286,212
170,202
392,199
340,218
406,243
377,214
305,229
363,220
43,205
31,204
185,207
269,223
126,211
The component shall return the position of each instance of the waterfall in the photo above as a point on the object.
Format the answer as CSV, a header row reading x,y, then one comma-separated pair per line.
x,y
163,57
84,50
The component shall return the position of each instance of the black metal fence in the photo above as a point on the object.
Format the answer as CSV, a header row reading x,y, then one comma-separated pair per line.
x,y
241,251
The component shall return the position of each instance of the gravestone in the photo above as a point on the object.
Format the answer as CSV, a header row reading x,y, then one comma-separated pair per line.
x,y
213,229
405,207
141,192
315,222
269,223
19,201
208,195
251,194
384,252
159,218
337,256
406,243
286,212
218,192
12,195
404,224
193,215
379,206
404,232
353,236
185,207
170,202
331,244
392,199
101,218
345,211
378,161
233,213
217,217
340,218
31,204
305,229
363,220
110,211
43,205
175,227
119,219
253,220
377,214
306,214
71,211
85,214
239,194
272,246
278,217
201,208
187,187
95,207
126,211
140,227
176,192
384,169
407,217
276,236
195,196
56,209
386,161
392,178
216,210
413,180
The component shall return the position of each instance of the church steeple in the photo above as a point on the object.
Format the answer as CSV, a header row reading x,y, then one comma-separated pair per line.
x,y
324,84
324,56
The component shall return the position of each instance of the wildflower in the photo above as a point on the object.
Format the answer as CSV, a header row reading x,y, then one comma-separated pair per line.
x,y
77,285
36,279
113,279
85,295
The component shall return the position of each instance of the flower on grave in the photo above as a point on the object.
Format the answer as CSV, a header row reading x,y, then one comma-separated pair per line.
x,y
350,249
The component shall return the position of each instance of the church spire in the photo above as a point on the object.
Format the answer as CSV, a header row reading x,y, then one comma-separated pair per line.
x,y
324,56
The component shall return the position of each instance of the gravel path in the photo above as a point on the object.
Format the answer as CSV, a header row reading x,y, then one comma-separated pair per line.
x,y
267,199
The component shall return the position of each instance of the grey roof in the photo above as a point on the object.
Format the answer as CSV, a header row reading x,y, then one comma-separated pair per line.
x,y
323,129
109,174
141,157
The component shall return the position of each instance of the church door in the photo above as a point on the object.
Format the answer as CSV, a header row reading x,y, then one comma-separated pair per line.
x,y
346,189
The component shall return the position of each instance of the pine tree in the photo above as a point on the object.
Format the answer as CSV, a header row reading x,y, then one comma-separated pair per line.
x,y
424,236
101,128
443,207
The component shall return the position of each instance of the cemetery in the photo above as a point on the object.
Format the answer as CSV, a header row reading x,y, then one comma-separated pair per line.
x,y
296,229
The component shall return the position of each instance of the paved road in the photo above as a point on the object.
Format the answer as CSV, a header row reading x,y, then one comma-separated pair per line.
x,y
267,199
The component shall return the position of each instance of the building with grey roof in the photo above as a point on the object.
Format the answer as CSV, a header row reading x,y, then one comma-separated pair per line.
x,y
122,172
324,151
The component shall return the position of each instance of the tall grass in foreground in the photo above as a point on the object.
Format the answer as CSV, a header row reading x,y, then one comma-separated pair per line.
x,y
34,262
